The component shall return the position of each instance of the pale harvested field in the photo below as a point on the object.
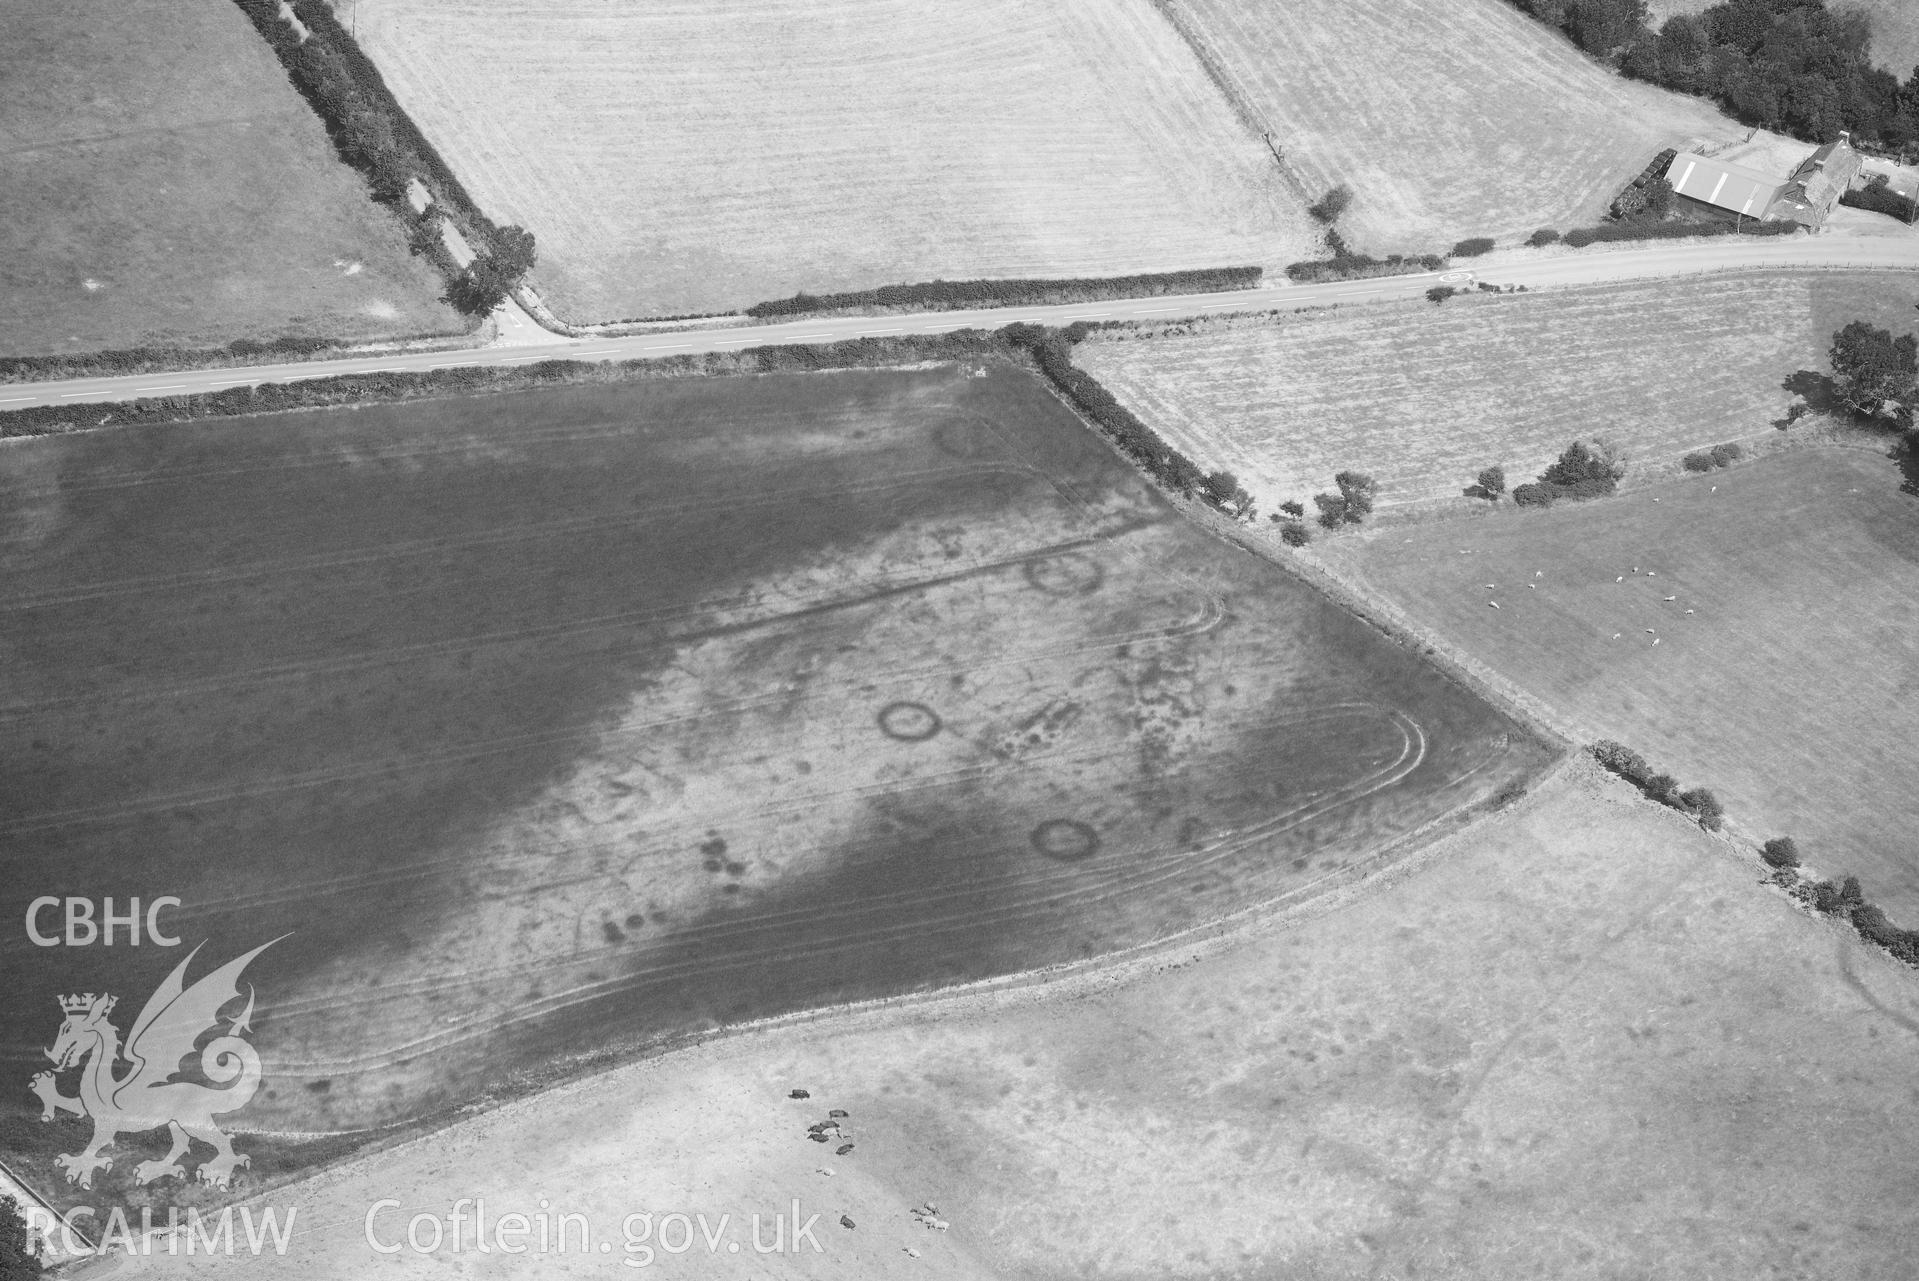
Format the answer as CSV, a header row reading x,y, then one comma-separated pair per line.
x,y
1447,120
701,155
1423,397
163,184
1789,686
1581,1044
1895,27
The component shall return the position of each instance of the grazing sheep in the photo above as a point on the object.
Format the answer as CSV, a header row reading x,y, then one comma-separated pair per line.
x,y
1493,603
1670,598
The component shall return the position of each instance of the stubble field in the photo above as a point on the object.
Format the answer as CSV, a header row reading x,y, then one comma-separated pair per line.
x,y
1447,121
1423,397
1786,666
586,718
704,155
1578,1044
165,185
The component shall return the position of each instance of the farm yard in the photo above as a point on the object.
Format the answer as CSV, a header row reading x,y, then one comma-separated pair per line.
x,y
1447,121
553,722
687,157
1577,1043
1782,597
152,202
1423,397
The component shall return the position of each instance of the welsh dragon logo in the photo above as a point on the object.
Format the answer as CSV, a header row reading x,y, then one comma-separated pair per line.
x,y
146,1096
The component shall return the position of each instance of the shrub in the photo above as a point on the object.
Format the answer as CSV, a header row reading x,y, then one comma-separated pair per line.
x,y
1295,535
1850,894
1543,237
1726,455
1622,760
1704,806
1474,247
1358,490
1293,507
1781,851
1331,205
1697,461
1531,495
1332,510
1492,482
1440,293
1663,788
1586,461
1825,897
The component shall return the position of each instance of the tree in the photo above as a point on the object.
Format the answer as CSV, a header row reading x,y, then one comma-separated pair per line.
x,y
513,250
17,1263
1704,806
1332,510
1440,293
1872,369
1359,490
1543,237
1332,204
1781,851
1492,482
1661,787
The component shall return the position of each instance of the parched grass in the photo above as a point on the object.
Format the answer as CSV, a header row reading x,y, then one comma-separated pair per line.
x,y
699,155
597,716
1450,120
1423,397
165,186
1578,1045
1786,670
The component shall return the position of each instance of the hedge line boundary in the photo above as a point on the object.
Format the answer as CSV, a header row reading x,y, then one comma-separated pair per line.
x,y
948,295
1843,899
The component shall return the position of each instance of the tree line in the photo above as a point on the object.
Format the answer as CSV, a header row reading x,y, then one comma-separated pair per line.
x,y
374,135
1793,66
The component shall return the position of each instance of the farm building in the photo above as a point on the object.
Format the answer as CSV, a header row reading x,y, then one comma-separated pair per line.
x,y
1818,182
1806,196
1723,184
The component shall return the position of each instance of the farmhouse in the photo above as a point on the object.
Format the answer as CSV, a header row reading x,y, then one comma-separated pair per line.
x,y
1806,196
1818,182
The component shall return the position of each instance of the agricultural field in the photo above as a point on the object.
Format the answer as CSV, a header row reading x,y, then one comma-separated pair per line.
x,y
1781,597
701,156
1423,397
1895,27
165,185
1447,121
553,722
1578,1043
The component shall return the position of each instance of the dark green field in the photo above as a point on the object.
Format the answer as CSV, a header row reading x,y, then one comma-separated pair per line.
x,y
163,184
586,717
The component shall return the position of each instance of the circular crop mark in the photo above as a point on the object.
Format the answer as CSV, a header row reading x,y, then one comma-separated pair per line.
x,y
1069,574
1065,839
967,437
909,722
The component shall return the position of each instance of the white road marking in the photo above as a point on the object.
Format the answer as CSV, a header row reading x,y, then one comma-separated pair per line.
x,y
69,395
14,400
163,387
808,337
675,346
1154,311
1214,306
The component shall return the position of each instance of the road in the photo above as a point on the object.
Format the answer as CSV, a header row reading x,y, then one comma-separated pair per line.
x,y
1591,266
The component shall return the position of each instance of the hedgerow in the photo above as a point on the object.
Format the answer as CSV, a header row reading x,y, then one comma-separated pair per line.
x,y
1584,236
946,295
1473,248
1698,802
1360,267
1877,197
